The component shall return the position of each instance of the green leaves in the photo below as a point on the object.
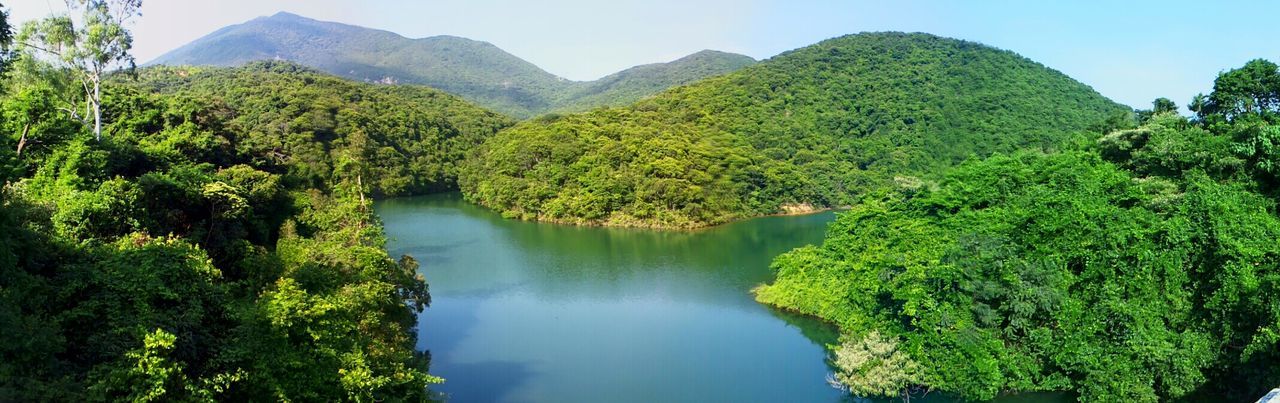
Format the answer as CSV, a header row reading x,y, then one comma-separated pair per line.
x,y
1009,274
87,48
150,373
226,200
1141,267
216,246
1252,90
315,129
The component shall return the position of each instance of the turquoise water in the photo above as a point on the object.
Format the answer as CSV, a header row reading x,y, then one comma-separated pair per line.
x,y
535,312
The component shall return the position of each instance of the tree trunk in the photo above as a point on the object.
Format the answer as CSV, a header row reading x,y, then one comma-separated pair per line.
x,y
97,109
360,221
22,142
360,189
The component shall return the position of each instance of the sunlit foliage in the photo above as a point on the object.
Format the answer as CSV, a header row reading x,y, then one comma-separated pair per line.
x,y
816,126
1140,267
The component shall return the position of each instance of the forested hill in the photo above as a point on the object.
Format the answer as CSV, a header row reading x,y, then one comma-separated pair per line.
x,y
218,242
411,138
475,70
810,128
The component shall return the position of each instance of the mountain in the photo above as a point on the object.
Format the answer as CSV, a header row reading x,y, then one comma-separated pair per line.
x,y
632,84
808,129
477,71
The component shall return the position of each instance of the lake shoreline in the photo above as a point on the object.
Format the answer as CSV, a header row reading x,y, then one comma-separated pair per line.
x,y
789,210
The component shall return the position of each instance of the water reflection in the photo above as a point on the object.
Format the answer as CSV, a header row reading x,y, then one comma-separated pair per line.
x,y
538,312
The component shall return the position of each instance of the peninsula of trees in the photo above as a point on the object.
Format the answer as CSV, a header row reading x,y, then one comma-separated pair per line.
x,y
1139,265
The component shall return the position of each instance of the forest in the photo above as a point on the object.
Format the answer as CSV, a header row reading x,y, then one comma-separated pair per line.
x,y
808,129
215,241
1139,265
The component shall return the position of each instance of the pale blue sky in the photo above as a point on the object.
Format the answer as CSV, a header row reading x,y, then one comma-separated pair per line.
x,y
1130,51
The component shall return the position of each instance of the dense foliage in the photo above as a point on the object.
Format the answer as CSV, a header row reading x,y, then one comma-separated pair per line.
x,y
1139,267
477,71
217,242
408,139
813,127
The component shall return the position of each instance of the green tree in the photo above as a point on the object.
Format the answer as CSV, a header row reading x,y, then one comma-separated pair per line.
x,y
90,46
1158,106
30,113
6,41
1199,105
1253,89
150,374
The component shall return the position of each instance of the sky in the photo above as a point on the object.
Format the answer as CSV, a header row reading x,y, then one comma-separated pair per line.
x,y
1130,51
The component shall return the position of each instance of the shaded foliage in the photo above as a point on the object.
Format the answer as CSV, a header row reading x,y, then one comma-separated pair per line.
x,y
217,243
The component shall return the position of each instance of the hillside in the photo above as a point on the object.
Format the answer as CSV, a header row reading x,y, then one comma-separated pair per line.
x,y
810,128
412,137
477,71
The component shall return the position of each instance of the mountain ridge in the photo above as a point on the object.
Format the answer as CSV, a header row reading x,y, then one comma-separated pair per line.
x,y
478,71
649,79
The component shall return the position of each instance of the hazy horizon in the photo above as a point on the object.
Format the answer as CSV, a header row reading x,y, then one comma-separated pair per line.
x,y
1170,50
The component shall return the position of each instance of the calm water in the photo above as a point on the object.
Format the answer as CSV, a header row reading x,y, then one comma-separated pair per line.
x,y
549,313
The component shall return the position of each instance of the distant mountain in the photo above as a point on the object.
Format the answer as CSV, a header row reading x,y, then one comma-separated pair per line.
x,y
630,85
475,70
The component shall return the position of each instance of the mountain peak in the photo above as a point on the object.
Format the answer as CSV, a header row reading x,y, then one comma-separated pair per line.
x,y
475,70
287,15
713,52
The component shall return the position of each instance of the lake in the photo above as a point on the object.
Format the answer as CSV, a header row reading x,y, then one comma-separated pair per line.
x,y
537,312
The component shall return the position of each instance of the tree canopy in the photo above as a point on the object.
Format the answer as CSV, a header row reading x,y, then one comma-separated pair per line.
x,y
1139,267
88,45
217,243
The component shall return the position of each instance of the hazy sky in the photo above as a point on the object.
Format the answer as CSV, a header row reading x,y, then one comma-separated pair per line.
x,y
1130,51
